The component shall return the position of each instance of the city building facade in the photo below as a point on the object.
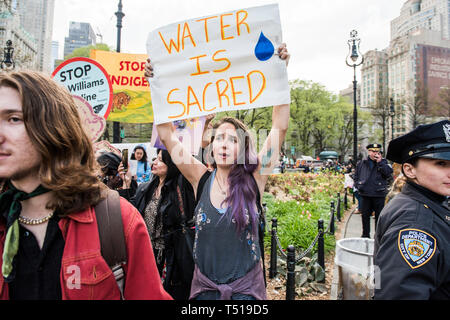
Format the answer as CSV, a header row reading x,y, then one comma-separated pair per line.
x,y
348,94
374,93
433,69
25,45
431,15
36,17
374,78
412,71
418,68
81,34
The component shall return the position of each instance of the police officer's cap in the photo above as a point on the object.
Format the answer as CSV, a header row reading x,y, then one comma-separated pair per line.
x,y
374,147
426,141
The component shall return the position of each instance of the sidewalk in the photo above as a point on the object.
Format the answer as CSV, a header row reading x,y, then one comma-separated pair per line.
x,y
352,228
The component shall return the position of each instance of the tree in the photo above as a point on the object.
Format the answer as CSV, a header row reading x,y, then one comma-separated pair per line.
x,y
319,120
86,51
308,106
381,112
345,128
417,104
442,106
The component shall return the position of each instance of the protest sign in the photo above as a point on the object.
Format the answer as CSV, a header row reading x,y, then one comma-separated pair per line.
x,y
188,131
105,146
131,95
86,78
222,62
93,124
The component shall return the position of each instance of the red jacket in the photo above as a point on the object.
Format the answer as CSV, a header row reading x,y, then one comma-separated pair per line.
x,y
85,275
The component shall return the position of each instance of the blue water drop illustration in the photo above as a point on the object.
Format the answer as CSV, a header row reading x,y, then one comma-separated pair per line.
x,y
264,48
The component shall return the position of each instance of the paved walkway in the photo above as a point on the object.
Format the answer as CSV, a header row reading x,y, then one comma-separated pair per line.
x,y
352,228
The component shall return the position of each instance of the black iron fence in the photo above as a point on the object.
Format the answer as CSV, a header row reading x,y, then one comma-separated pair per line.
x,y
290,256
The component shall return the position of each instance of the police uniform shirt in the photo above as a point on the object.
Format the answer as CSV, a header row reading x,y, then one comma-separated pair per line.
x,y
412,247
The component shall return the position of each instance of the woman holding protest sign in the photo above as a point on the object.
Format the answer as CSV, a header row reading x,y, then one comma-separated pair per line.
x,y
228,214
167,205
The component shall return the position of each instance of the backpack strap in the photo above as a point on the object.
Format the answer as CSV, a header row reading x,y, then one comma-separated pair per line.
x,y
201,185
112,238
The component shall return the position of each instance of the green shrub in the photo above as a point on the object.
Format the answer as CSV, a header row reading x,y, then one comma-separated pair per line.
x,y
297,219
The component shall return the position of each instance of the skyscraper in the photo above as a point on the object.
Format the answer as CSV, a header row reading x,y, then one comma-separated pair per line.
x,y
412,70
418,60
431,15
374,92
36,17
55,48
418,67
374,78
81,34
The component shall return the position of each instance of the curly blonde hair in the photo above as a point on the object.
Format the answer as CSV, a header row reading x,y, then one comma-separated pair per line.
x,y
396,188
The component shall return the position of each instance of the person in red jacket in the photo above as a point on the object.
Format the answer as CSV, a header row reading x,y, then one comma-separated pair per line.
x,y
49,240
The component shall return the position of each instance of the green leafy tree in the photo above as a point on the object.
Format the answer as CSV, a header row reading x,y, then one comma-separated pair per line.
x,y
307,100
442,105
86,51
319,120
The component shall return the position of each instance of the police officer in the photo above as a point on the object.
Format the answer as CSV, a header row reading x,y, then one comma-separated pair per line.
x,y
412,241
371,181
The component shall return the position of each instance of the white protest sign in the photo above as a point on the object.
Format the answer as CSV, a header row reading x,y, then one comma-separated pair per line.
x,y
86,78
94,125
222,62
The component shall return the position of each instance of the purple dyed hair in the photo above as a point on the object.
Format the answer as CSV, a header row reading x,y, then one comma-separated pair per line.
x,y
242,195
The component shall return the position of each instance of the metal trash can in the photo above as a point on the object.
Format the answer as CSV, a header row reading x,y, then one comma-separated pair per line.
x,y
354,258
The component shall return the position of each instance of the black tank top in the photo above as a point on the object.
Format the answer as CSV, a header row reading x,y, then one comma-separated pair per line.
x,y
219,252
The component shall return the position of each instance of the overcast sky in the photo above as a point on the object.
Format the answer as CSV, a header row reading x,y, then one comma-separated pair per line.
x,y
316,31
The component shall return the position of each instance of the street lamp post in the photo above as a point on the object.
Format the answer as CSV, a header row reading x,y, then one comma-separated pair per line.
x,y
392,114
353,60
120,15
8,53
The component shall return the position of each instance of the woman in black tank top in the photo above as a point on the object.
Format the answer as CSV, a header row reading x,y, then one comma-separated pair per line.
x,y
227,252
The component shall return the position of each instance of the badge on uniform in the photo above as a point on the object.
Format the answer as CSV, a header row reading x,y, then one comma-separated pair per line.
x,y
447,132
416,246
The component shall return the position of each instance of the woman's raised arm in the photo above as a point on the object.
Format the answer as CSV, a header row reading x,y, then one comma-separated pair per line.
x,y
189,166
269,154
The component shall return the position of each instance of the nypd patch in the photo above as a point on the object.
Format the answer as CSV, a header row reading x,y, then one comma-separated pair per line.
x,y
416,246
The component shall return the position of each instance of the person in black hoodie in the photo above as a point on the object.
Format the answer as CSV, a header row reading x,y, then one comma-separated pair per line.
x,y
371,181
412,241
167,206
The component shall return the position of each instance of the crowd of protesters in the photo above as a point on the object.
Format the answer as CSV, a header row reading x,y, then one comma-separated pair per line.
x,y
182,220
193,226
